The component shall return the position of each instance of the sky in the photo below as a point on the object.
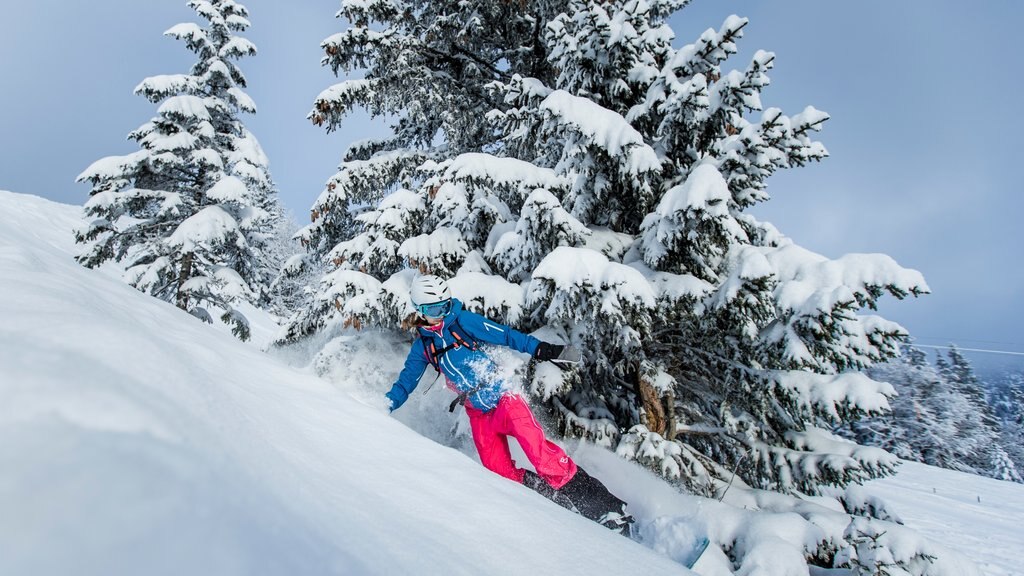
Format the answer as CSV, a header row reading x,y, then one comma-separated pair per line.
x,y
922,133
237,463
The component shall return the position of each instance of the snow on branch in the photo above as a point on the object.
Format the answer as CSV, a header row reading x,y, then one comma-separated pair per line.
x,y
189,31
820,443
236,47
441,252
365,179
810,119
112,167
228,189
734,90
503,171
207,10
237,22
704,190
604,128
710,50
360,12
177,142
185,108
700,201
339,99
244,102
677,287
835,396
350,289
817,458
209,227
809,318
569,269
543,225
156,88
490,295
810,283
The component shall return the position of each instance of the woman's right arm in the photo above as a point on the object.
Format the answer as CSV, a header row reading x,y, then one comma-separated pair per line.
x,y
415,364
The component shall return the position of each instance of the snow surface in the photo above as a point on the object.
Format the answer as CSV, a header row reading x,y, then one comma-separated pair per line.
x,y
137,440
979,516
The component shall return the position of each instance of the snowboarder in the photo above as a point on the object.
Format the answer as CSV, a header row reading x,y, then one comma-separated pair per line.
x,y
450,340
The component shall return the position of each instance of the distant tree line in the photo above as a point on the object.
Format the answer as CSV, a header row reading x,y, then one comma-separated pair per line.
x,y
945,416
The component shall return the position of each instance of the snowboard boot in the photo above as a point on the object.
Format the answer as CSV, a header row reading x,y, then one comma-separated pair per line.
x,y
539,485
593,500
619,522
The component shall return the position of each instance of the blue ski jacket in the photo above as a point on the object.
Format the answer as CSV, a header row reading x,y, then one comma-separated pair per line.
x,y
467,369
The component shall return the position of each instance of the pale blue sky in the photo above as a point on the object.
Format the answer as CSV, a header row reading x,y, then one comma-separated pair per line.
x,y
923,135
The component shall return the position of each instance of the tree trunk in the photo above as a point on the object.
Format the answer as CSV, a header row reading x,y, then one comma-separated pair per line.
x,y
658,410
183,276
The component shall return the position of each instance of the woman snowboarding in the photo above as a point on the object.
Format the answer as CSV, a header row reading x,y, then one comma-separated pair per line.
x,y
450,340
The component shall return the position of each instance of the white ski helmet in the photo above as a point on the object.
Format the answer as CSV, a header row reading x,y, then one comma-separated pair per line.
x,y
427,289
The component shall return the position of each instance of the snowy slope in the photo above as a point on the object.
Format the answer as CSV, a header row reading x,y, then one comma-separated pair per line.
x,y
978,516
136,440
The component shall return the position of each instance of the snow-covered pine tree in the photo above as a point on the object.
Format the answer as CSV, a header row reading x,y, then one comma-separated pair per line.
x,y
923,416
189,215
935,420
293,287
1008,404
1003,467
604,200
750,342
977,428
426,67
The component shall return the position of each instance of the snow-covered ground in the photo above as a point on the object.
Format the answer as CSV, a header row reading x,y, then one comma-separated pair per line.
x,y
979,516
136,440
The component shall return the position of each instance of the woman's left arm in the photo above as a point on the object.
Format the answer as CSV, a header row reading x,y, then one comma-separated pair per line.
x,y
493,332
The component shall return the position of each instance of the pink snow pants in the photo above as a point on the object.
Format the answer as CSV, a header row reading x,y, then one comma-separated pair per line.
x,y
512,417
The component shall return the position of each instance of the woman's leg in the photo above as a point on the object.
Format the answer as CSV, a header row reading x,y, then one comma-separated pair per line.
x,y
590,496
573,487
492,445
551,462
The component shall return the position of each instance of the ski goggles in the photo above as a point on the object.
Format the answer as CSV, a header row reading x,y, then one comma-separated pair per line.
x,y
435,310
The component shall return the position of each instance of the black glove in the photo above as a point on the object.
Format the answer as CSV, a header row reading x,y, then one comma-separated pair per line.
x,y
547,351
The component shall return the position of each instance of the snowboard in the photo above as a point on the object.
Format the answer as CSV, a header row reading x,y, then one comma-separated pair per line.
x,y
697,552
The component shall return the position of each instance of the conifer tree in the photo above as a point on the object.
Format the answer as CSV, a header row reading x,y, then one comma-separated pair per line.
x,y
190,214
922,420
1003,467
427,66
293,287
977,428
741,329
937,420
577,173
1008,405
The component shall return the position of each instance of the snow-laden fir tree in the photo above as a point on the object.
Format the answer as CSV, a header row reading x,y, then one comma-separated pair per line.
x,y
189,215
937,420
572,172
976,427
912,428
425,67
1008,404
293,287
752,340
923,423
